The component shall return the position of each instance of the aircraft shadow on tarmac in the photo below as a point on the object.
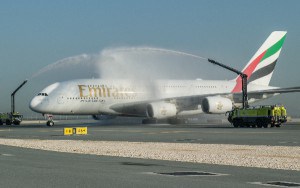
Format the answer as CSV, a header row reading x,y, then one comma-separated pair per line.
x,y
78,124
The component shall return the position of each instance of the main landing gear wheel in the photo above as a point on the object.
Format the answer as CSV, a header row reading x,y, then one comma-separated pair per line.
x,y
175,121
149,121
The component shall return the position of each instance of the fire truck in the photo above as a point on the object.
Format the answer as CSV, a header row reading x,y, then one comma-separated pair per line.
x,y
12,117
9,118
260,116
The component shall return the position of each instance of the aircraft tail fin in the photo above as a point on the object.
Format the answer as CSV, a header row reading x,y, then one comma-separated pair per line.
x,y
261,66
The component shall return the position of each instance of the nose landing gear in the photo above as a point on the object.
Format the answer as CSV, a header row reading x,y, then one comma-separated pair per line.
x,y
50,121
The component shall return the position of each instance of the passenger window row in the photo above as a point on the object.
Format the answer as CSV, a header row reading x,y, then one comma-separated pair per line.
x,y
42,94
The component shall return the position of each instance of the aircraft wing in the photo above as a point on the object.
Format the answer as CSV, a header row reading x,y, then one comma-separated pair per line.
x,y
183,102
276,90
191,102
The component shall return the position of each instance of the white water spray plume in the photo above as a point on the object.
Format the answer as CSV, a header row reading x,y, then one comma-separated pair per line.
x,y
137,63
68,64
144,63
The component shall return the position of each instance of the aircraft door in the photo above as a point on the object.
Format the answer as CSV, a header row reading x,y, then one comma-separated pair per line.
x,y
61,99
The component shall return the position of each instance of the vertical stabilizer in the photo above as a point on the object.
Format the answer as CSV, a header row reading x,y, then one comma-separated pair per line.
x,y
261,66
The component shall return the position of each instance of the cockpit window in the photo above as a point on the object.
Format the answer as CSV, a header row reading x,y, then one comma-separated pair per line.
x,y
42,94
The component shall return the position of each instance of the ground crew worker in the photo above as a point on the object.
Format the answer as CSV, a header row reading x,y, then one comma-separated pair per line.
x,y
283,114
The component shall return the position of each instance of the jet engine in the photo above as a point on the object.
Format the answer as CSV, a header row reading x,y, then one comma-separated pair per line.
x,y
103,117
216,105
161,110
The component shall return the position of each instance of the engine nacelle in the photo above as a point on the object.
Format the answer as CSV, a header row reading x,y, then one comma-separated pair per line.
x,y
216,105
103,117
161,110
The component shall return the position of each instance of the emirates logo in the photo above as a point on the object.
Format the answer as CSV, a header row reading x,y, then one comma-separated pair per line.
x,y
219,106
163,111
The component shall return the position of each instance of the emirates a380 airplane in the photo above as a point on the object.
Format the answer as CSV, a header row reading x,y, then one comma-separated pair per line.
x,y
163,99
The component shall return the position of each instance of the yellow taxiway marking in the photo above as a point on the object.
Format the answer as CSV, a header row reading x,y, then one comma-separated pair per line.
x,y
75,131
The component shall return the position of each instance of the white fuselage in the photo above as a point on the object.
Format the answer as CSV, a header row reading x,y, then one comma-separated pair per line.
x,y
97,96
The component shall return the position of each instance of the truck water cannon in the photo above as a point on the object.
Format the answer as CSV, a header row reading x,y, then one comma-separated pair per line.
x,y
13,96
244,80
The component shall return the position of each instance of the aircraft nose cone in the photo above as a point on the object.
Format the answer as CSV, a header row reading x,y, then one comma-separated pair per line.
x,y
39,104
34,103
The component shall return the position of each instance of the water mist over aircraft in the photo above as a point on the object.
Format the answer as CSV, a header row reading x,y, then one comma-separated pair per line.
x,y
148,63
128,62
142,64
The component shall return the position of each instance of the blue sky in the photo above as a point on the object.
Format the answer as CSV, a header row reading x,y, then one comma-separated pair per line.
x,y
34,34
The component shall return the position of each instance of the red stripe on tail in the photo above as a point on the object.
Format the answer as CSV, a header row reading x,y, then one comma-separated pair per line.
x,y
249,70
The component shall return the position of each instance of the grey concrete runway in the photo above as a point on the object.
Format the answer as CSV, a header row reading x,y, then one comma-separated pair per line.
x,y
288,135
34,168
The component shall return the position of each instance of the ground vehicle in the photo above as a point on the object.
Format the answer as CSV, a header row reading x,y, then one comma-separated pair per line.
x,y
261,116
12,117
9,118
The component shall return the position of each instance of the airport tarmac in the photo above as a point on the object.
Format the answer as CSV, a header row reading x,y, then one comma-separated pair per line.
x,y
36,168
287,135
